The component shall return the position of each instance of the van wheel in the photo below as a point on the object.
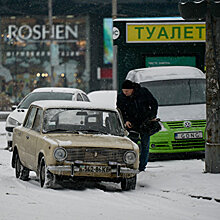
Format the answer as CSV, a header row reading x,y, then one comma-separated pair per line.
x,y
46,177
128,183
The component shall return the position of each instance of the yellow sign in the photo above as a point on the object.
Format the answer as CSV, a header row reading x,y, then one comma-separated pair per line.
x,y
165,32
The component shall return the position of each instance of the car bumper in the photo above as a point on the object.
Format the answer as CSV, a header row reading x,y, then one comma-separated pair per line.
x,y
112,171
164,142
9,136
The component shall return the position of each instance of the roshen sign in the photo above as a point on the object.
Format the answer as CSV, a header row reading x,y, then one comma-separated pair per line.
x,y
60,32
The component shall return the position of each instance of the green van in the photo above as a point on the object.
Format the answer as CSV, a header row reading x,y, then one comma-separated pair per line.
x,y
180,91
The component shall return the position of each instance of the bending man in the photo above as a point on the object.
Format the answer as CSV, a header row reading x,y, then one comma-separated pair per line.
x,y
137,105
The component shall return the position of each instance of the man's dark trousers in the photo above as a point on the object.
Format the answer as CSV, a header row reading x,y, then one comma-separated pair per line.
x,y
144,151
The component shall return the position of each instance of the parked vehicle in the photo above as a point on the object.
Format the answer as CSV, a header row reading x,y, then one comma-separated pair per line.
x,y
16,117
180,91
64,140
107,97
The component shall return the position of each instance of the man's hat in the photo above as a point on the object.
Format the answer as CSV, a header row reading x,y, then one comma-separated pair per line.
x,y
127,84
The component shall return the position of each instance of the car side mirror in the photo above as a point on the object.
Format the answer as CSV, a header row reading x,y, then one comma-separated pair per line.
x,y
9,129
13,107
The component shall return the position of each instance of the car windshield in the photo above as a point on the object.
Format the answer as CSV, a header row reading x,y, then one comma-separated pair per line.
x,y
36,96
178,92
82,120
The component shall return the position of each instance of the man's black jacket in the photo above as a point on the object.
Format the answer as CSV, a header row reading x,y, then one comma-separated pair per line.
x,y
137,108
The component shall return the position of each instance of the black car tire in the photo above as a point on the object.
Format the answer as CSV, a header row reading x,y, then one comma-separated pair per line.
x,y
46,177
21,171
128,183
17,166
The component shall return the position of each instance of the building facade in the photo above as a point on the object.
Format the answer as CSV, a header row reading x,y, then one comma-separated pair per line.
x,y
76,51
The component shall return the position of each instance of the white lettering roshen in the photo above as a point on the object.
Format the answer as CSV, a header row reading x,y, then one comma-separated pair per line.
x,y
12,30
41,32
68,30
59,32
23,29
36,31
46,31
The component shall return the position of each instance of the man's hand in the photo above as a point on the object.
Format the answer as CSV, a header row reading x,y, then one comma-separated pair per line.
x,y
155,119
128,124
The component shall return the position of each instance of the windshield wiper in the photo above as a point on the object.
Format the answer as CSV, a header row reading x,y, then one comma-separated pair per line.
x,y
93,131
62,130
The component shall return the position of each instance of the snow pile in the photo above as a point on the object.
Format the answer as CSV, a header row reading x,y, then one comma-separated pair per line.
x,y
175,189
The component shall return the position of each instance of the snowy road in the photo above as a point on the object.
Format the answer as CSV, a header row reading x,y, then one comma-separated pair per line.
x,y
177,189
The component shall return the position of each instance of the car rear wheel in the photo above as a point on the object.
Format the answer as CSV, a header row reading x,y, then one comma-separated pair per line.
x,y
17,166
128,183
46,177
20,171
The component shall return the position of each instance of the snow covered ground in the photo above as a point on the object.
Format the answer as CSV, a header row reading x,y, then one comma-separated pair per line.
x,y
175,189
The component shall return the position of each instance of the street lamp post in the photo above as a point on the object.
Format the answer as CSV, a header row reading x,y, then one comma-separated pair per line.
x,y
114,64
51,40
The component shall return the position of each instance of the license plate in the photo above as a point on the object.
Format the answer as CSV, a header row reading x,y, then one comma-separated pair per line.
x,y
189,135
94,169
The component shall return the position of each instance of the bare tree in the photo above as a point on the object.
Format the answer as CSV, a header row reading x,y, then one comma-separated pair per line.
x,y
212,150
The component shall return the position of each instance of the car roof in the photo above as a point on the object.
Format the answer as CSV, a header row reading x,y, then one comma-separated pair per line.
x,y
164,73
46,104
103,96
58,89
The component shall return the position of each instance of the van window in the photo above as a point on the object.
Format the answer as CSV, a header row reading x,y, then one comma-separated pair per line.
x,y
178,91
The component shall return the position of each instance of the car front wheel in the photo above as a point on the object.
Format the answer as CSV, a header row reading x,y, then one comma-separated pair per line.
x,y
128,183
46,177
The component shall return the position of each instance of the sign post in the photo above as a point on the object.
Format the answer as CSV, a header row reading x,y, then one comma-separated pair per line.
x,y
51,41
114,64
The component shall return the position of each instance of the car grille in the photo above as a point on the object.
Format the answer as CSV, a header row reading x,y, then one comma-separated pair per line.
x,y
188,144
180,124
95,154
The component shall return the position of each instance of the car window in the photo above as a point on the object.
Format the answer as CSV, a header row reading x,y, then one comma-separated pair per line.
x,y
178,91
73,96
37,121
82,120
85,97
30,117
79,97
36,96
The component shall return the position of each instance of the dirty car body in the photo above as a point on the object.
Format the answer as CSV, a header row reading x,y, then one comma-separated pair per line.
x,y
62,140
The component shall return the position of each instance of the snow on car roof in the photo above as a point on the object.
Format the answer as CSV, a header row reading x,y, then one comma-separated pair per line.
x,y
58,89
164,73
71,104
104,96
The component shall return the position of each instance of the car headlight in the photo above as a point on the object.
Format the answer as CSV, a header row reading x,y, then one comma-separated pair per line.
x,y
60,154
130,157
13,122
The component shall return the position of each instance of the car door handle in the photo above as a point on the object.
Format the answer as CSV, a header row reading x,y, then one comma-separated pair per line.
x,y
27,137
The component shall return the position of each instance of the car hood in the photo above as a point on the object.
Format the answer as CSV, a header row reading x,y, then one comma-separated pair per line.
x,y
18,115
90,140
182,112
